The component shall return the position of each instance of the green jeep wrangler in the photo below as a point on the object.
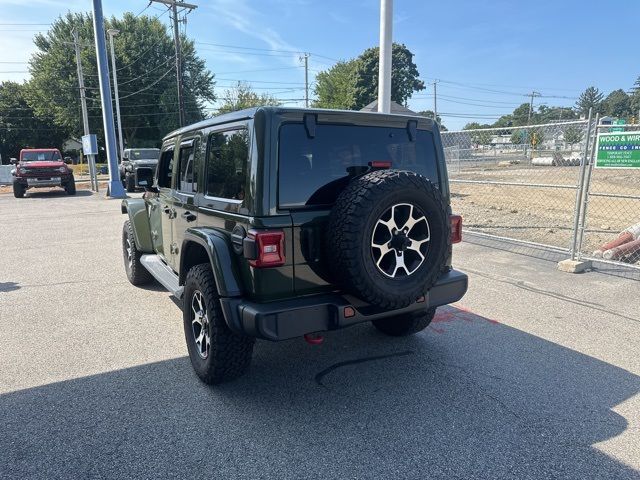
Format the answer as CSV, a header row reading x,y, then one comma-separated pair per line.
x,y
276,223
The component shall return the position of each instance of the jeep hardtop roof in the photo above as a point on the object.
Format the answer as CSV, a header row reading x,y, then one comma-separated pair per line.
x,y
248,113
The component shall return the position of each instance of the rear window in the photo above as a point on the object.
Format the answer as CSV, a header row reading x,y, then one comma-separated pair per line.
x,y
313,171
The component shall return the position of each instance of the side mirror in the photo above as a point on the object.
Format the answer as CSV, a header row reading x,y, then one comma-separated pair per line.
x,y
67,160
13,161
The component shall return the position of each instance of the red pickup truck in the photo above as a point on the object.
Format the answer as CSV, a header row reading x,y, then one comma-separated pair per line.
x,y
42,167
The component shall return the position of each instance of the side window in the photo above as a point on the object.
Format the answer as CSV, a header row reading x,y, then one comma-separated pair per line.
x,y
227,162
188,182
165,169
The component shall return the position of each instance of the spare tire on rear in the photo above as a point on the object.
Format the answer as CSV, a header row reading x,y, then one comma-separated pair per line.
x,y
388,237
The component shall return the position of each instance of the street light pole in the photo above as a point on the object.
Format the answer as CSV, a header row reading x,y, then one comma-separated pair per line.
x,y
306,80
91,163
115,189
112,32
384,73
435,101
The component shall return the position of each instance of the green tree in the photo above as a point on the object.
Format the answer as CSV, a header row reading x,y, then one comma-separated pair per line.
x,y
590,98
241,96
573,135
479,138
634,100
404,76
617,104
430,114
520,116
520,137
504,121
145,59
335,87
19,125
547,114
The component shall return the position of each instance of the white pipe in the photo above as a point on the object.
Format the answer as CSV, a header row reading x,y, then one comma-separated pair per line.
x,y
384,73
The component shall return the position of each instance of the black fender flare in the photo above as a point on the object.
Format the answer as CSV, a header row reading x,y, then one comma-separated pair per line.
x,y
218,248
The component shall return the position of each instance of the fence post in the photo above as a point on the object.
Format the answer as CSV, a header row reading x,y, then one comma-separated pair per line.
x,y
587,187
579,191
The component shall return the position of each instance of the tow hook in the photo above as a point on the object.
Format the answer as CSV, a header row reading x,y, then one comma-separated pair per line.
x,y
313,338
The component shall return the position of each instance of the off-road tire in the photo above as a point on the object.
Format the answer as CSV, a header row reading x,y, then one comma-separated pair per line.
x,y
70,187
230,353
18,190
351,226
406,324
136,273
130,183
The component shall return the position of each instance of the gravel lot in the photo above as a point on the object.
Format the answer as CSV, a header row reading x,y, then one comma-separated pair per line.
x,y
534,374
544,215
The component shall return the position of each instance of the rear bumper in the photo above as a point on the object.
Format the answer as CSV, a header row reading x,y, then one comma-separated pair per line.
x,y
293,318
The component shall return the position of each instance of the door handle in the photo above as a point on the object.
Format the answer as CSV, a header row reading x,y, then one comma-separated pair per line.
x,y
188,216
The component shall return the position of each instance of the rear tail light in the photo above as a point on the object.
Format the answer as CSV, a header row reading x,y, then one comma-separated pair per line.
x,y
269,249
456,228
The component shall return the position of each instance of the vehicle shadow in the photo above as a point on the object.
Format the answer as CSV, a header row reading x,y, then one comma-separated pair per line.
x,y
468,398
9,286
56,193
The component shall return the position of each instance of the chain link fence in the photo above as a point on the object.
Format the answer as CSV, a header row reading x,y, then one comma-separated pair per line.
x,y
536,187
611,208
519,183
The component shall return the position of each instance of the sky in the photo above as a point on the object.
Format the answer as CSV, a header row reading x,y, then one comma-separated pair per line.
x,y
486,56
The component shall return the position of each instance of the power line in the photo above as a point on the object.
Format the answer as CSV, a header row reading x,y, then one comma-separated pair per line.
x,y
258,81
240,47
483,100
146,73
173,6
441,98
148,86
258,70
277,55
144,10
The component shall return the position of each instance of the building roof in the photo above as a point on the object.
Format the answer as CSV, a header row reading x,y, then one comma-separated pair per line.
x,y
395,108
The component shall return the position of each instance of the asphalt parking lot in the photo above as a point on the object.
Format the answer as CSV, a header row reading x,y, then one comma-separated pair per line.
x,y
534,374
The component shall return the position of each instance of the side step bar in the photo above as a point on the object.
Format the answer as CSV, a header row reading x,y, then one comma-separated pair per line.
x,y
163,274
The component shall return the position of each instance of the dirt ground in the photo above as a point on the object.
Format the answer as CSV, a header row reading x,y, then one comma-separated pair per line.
x,y
544,213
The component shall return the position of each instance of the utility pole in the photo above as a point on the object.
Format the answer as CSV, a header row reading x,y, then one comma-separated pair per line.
x,y
174,4
306,80
112,32
435,101
384,73
533,94
93,179
115,188
176,40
